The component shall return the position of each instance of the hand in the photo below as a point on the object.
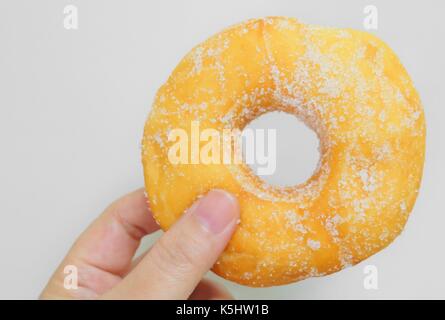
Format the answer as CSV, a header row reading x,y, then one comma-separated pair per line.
x,y
172,269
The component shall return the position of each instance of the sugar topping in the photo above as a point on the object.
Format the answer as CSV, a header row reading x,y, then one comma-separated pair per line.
x,y
345,85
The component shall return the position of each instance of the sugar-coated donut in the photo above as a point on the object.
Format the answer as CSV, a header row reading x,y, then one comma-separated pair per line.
x,y
351,89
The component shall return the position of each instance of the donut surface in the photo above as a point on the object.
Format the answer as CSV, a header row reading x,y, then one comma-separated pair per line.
x,y
351,89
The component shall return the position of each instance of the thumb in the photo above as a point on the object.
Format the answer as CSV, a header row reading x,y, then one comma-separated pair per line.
x,y
179,259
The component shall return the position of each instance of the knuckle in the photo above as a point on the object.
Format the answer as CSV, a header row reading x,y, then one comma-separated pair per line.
x,y
177,257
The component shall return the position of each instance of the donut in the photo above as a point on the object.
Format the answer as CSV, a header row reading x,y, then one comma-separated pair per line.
x,y
346,85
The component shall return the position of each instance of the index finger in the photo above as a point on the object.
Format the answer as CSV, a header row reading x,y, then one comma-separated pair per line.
x,y
103,253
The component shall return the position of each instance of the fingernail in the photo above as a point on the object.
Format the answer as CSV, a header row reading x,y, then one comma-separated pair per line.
x,y
216,210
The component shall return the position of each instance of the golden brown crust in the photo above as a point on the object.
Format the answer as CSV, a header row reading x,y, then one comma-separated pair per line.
x,y
346,85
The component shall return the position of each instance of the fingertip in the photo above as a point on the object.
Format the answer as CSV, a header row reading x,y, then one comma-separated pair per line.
x,y
217,210
179,259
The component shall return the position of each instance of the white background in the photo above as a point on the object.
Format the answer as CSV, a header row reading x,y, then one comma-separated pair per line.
x,y
73,105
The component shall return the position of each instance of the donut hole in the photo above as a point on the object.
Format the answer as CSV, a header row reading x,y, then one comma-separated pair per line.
x,y
293,159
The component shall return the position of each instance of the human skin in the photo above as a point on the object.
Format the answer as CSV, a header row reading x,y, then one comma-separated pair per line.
x,y
173,268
